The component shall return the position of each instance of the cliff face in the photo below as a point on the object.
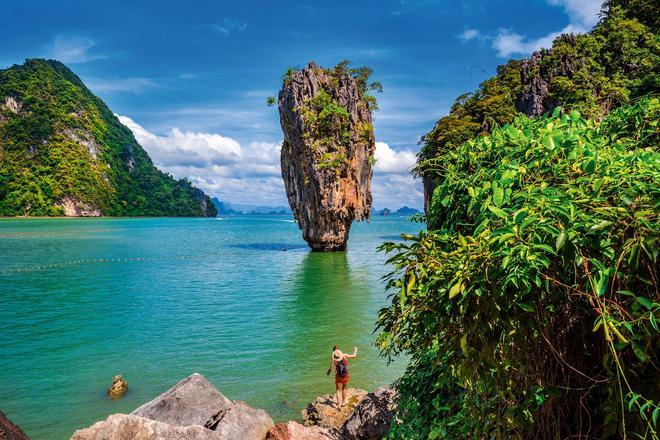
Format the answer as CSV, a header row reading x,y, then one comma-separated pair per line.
x,y
63,152
327,153
537,77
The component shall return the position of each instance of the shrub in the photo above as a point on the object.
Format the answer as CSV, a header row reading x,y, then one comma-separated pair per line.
x,y
530,308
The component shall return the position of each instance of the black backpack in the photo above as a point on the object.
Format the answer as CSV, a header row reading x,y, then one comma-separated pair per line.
x,y
341,369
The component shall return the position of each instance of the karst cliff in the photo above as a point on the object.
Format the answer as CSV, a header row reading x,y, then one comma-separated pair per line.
x,y
328,150
64,153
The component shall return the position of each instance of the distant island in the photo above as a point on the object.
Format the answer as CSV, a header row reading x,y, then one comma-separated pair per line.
x,y
227,208
404,211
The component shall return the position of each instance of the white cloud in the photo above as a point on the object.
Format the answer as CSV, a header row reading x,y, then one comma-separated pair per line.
x,y
217,164
583,13
192,149
389,161
73,50
251,174
508,43
251,117
469,34
226,26
582,16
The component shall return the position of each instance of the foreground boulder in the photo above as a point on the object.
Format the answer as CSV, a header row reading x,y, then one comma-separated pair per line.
x,y
372,417
296,431
129,427
118,387
192,409
327,152
192,401
325,412
9,431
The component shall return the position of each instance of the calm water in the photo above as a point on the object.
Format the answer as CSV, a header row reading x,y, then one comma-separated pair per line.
x,y
158,299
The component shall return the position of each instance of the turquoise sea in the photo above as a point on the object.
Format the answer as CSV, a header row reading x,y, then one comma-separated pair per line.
x,y
240,300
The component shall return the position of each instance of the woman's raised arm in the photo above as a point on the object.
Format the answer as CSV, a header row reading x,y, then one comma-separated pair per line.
x,y
354,353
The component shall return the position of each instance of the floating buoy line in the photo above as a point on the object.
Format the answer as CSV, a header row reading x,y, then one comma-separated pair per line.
x,y
89,261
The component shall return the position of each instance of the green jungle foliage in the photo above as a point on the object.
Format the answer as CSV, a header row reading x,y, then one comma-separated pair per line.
x,y
531,310
47,151
328,122
592,73
530,307
361,76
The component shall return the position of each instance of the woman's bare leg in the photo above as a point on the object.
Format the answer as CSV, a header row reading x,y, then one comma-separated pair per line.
x,y
343,393
339,394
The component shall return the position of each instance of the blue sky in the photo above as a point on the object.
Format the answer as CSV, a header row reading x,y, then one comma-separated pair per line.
x,y
190,78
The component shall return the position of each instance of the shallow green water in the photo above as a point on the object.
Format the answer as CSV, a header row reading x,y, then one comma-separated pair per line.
x,y
158,299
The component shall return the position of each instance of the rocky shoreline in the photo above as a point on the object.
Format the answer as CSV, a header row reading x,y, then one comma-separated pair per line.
x,y
194,409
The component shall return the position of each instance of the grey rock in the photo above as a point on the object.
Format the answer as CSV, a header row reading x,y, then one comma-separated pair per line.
x,y
12,104
533,100
131,427
195,401
192,401
536,78
372,417
73,207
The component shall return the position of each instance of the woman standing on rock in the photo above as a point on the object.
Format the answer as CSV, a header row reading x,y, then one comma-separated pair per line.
x,y
341,372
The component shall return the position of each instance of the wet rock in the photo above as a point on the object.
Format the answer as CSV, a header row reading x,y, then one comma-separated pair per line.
x,y
9,431
325,412
327,155
131,427
118,387
296,431
372,416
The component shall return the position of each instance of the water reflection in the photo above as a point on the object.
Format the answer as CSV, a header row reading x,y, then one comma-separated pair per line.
x,y
325,303
270,246
157,299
